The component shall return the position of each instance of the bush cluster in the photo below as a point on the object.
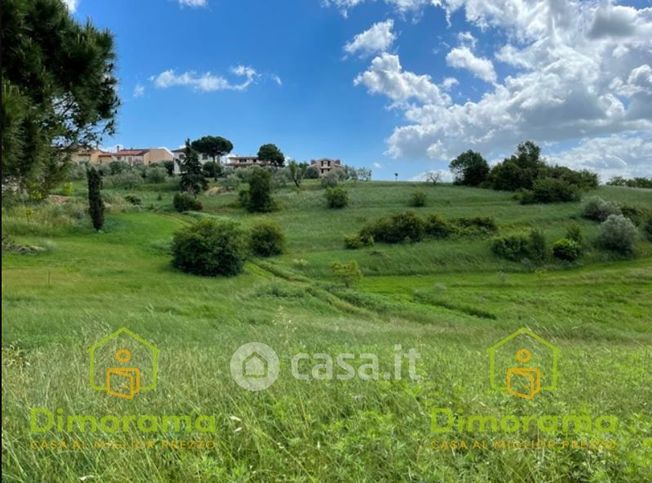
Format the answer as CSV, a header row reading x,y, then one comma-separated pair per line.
x,y
360,240
618,234
418,199
186,202
266,240
550,190
134,200
336,197
396,228
567,250
479,225
598,209
519,246
439,227
210,248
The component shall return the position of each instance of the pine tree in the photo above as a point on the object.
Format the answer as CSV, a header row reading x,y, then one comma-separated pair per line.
x,y
95,203
192,176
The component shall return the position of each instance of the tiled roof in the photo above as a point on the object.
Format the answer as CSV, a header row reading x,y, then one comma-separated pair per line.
x,y
131,152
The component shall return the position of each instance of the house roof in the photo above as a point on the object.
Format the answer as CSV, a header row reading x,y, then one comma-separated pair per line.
x,y
132,152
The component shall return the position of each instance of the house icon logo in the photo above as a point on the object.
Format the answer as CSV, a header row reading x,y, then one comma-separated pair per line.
x,y
523,364
123,364
254,366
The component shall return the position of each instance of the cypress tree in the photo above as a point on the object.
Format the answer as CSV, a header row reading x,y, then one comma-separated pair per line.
x,y
95,203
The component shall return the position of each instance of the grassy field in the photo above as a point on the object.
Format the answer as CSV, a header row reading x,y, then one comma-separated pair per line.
x,y
450,300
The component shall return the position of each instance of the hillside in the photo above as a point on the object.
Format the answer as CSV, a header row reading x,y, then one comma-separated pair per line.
x,y
449,299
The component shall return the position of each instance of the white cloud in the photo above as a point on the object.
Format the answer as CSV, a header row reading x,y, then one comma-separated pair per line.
x,y
463,58
377,165
449,83
402,6
193,3
139,90
206,82
276,79
378,38
578,74
71,4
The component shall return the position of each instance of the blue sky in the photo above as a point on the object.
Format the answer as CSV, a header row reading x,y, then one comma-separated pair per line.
x,y
394,85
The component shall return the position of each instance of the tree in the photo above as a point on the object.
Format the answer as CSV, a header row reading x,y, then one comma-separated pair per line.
x,y
95,203
192,176
364,174
520,170
213,146
259,197
59,91
271,153
470,169
297,172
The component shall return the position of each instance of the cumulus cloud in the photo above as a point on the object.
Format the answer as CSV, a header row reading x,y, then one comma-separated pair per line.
x,y
193,3
463,58
402,6
71,4
206,82
378,38
139,90
577,74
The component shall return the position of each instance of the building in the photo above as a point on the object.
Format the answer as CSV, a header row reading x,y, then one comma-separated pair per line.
x,y
179,155
245,161
91,156
326,165
132,156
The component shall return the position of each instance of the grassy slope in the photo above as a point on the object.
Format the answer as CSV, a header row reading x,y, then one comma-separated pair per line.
x,y
449,300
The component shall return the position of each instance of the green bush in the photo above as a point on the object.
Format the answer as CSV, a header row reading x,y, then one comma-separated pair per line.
x,y
363,239
396,228
266,240
133,199
618,234
551,190
67,189
418,199
439,227
347,273
210,248
598,209
647,229
512,247
537,245
635,213
567,249
330,179
477,225
573,232
125,180
186,202
156,175
259,197
336,197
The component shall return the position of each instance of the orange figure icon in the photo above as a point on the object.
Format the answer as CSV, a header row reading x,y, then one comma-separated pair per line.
x,y
528,379
123,382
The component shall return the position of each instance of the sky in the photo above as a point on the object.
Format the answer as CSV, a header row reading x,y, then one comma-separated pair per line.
x,y
398,86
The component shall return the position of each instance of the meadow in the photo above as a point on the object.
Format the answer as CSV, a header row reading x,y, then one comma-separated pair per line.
x,y
448,299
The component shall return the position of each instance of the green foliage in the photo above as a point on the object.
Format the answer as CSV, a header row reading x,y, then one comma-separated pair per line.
x,y
567,249
361,240
635,213
647,229
134,200
479,225
297,172
551,190
574,233
213,146
169,167
518,171
59,91
258,199
312,172
631,183
537,245
348,274
156,175
68,189
192,175
418,199
336,197
512,247
117,167
330,179
185,201
266,240
470,169
211,169
438,227
95,203
125,180
272,154
210,248
597,209
396,228
618,234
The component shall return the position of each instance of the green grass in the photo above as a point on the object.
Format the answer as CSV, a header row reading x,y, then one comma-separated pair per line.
x,y
450,300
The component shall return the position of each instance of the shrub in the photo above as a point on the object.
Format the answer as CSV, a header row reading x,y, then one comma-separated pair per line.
x,y
618,233
330,179
512,247
635,213
336,197
210,248
598,209
347,273
477,225
231,182
567,249
133,199
397,228
574,233
117,167
537,245
156,175
259,197
470,169
551,190
312,172
68,189
266,240
418,199
647,229
186,202
125,180
438,227
363,239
